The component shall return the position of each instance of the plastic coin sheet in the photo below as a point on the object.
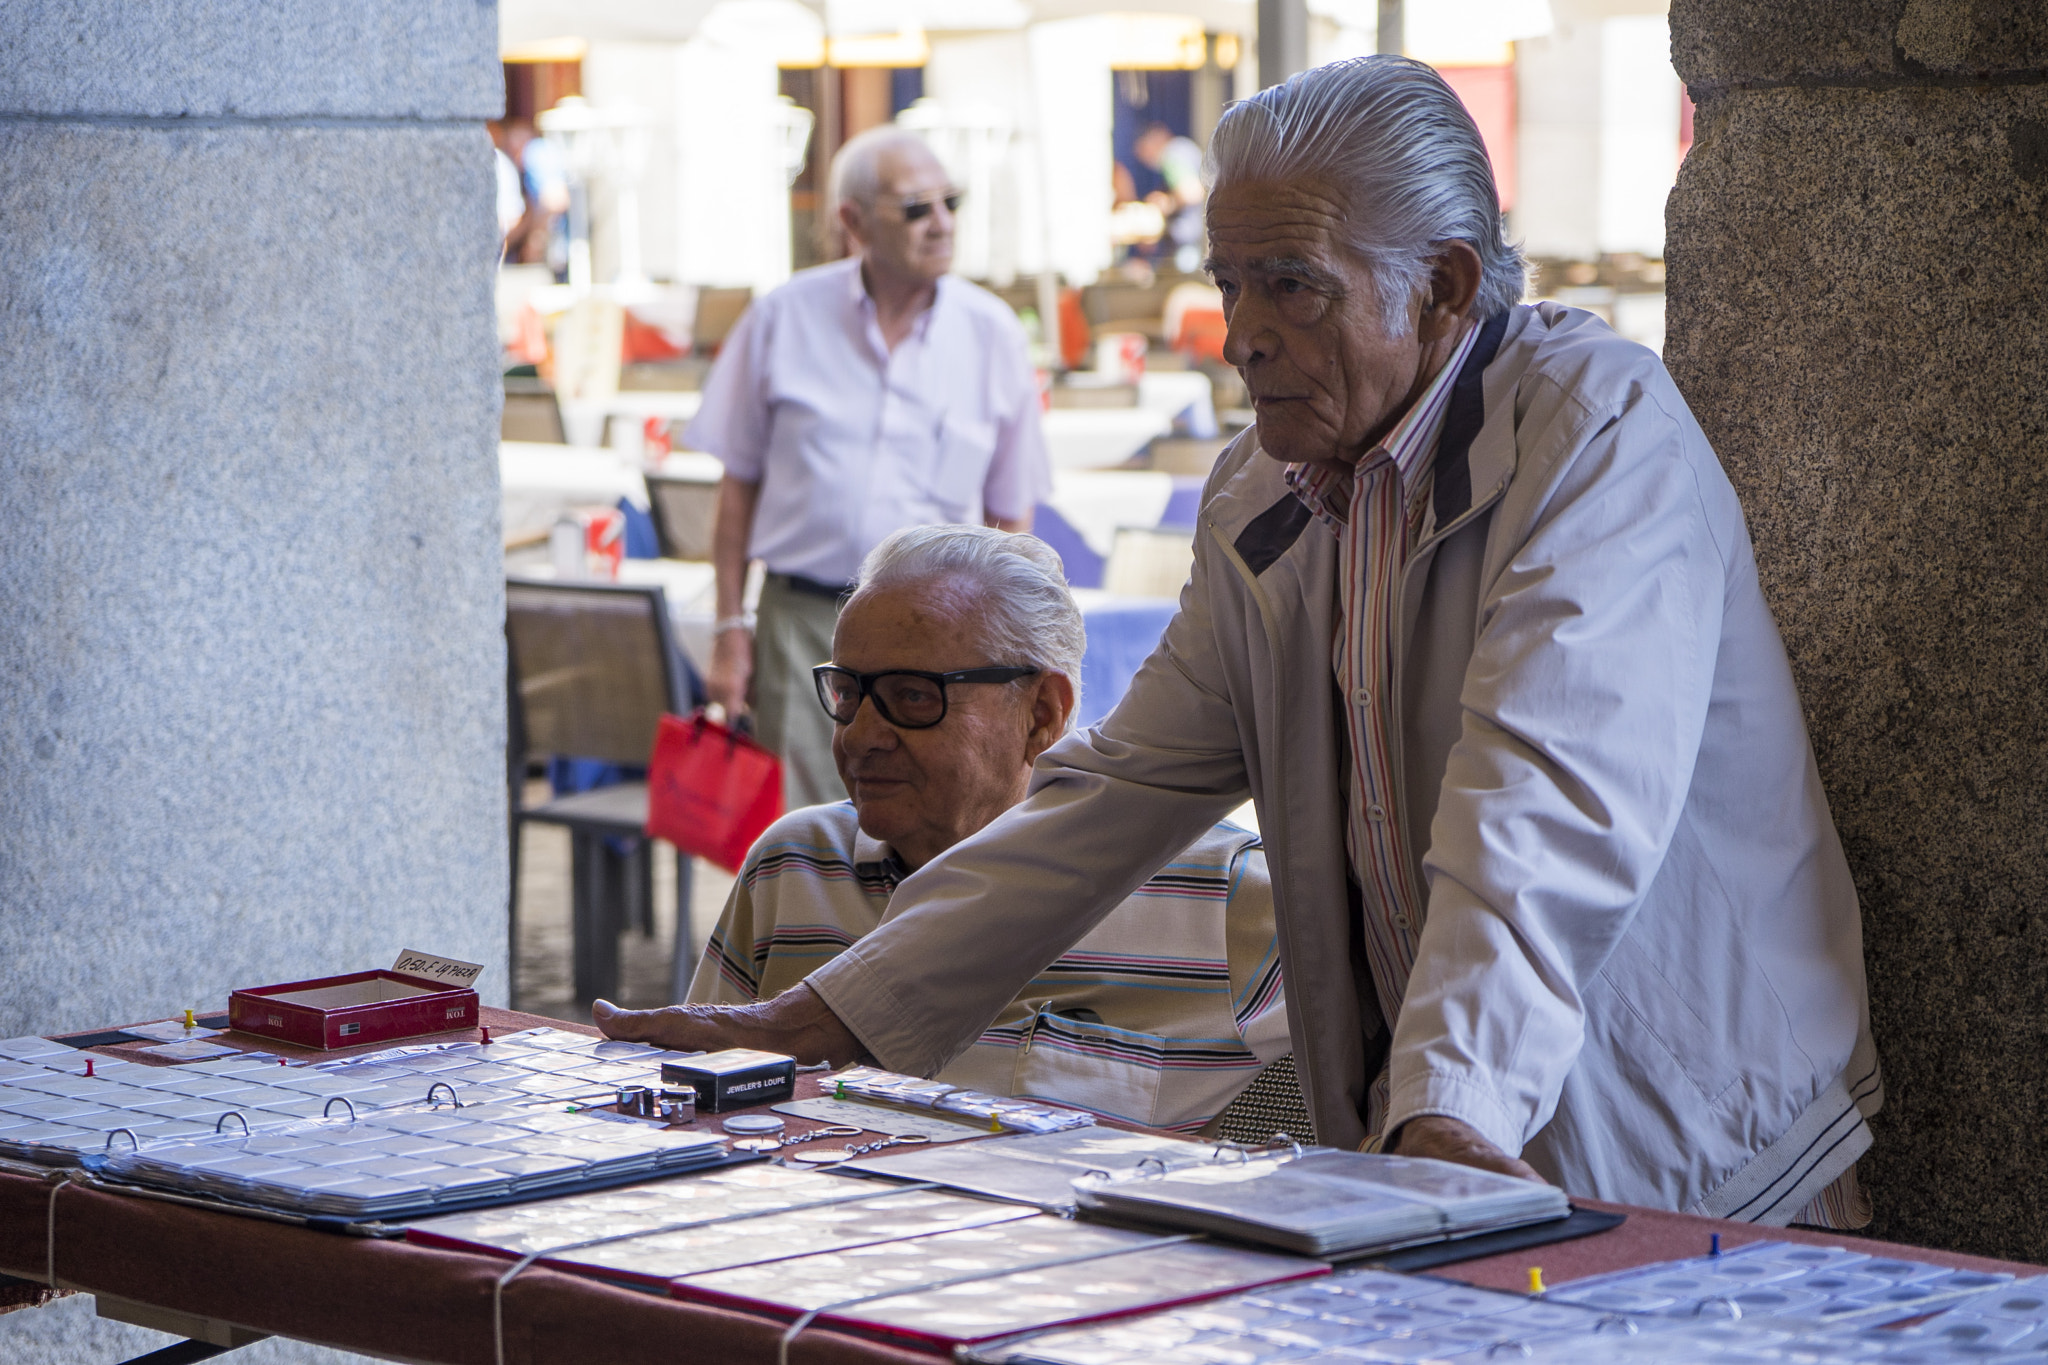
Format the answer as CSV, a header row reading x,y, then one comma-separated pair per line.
x,y
876,1118
880,1217
51,1112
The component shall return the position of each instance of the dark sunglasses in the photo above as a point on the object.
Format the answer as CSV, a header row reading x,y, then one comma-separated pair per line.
x,y
914,209
907,699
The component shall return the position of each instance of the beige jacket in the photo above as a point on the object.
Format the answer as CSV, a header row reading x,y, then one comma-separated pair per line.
x,y
1642,961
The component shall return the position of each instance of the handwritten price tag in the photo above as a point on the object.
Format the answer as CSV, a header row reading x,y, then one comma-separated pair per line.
x,y
444,969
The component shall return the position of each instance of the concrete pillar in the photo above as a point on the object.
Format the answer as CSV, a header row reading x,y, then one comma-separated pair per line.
x,y
1283,40
251,703
1858,292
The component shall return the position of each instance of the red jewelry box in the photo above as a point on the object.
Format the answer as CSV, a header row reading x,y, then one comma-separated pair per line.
x,y
350,1010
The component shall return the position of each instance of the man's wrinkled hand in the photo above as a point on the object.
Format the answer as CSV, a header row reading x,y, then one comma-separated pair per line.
x,y
1447,1139
797,1023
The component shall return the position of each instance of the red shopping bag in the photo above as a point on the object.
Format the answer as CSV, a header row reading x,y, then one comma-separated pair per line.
x,y
711,790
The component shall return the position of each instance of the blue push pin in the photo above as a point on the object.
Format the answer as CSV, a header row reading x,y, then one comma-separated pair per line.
x,y
1715,1248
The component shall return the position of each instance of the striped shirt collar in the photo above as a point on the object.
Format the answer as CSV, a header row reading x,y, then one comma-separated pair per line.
x,y
1327,492
872,857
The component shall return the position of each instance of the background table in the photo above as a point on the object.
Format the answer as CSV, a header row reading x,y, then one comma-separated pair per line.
x,y
416,1303
539,482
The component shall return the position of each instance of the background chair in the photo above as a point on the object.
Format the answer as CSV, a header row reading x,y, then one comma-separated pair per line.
x,y
592,668
1149,561
530,413
684,511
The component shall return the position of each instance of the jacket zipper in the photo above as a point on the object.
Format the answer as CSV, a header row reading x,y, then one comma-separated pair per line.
x,y
1397,691
1277,812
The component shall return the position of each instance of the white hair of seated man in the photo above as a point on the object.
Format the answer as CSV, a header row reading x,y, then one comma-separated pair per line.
x,y
857,169
1393,138
1027,613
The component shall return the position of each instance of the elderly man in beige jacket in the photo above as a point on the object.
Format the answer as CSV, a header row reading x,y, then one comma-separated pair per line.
x,y
1474,619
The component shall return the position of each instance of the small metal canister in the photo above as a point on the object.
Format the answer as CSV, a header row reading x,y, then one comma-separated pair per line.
x,y
637,1101
677,1104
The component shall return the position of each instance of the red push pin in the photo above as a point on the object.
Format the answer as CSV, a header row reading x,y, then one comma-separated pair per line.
x,y
88,1066
486,1031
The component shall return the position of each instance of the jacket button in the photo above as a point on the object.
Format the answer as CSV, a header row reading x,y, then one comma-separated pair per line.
x,y
1400,921
1376,811
1361,697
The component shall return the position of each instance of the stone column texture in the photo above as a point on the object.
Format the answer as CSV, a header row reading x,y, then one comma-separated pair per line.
x,y
1858,312
251,591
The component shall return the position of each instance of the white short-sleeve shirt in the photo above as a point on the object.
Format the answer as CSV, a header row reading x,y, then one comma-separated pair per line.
x,y
850,441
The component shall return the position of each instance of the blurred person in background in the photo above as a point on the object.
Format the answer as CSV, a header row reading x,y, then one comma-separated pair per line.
x,y
543,187
1177,161
511,194
1167,1009
863,396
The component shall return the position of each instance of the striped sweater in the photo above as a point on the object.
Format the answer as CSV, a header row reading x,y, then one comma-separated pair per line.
x,y
1158,1017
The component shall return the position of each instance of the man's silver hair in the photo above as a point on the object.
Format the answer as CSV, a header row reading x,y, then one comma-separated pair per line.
x,y
857,170
1395,140
1027,614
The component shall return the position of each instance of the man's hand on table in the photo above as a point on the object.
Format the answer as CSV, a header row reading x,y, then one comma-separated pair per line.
x,y
1447,1139
797,1023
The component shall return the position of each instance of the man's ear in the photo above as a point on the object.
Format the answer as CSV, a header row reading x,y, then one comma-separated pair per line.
x,y
1052,701
1453,289
853,225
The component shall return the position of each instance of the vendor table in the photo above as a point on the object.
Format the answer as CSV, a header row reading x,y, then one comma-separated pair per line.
x,y
226,1278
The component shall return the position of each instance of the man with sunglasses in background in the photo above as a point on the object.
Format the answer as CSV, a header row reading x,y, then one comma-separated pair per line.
x,y
955,664
863,396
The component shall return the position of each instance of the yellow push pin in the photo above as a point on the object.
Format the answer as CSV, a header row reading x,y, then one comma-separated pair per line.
x,y
190,1022
1535,1279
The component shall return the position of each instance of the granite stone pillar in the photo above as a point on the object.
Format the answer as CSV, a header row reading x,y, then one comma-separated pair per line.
x,y
251,655
1858,314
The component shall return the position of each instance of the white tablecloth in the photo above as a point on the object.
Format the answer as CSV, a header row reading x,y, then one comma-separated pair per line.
x,y
1096,438
1180,394
537,483
1095,502
583,421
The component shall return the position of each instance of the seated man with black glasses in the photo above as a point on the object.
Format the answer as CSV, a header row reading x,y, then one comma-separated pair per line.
x,y
955,663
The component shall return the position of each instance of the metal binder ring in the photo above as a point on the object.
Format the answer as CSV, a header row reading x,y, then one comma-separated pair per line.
x,y
1520,1348
1144,1161
1625,1323
235,1114
1288,1140
1699,1310
327,1109
134,1143
1240,1153
439,1085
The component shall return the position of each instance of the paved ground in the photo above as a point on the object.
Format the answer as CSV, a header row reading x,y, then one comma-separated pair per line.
x,y
542,986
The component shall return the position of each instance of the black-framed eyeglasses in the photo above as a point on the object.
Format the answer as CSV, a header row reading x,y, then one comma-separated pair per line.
x,y
914,209
907,698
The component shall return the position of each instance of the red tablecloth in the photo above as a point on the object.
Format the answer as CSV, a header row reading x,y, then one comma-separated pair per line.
x,y
414,1303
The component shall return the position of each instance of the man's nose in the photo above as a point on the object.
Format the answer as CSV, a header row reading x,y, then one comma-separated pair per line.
x,y
867,730
1246,337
